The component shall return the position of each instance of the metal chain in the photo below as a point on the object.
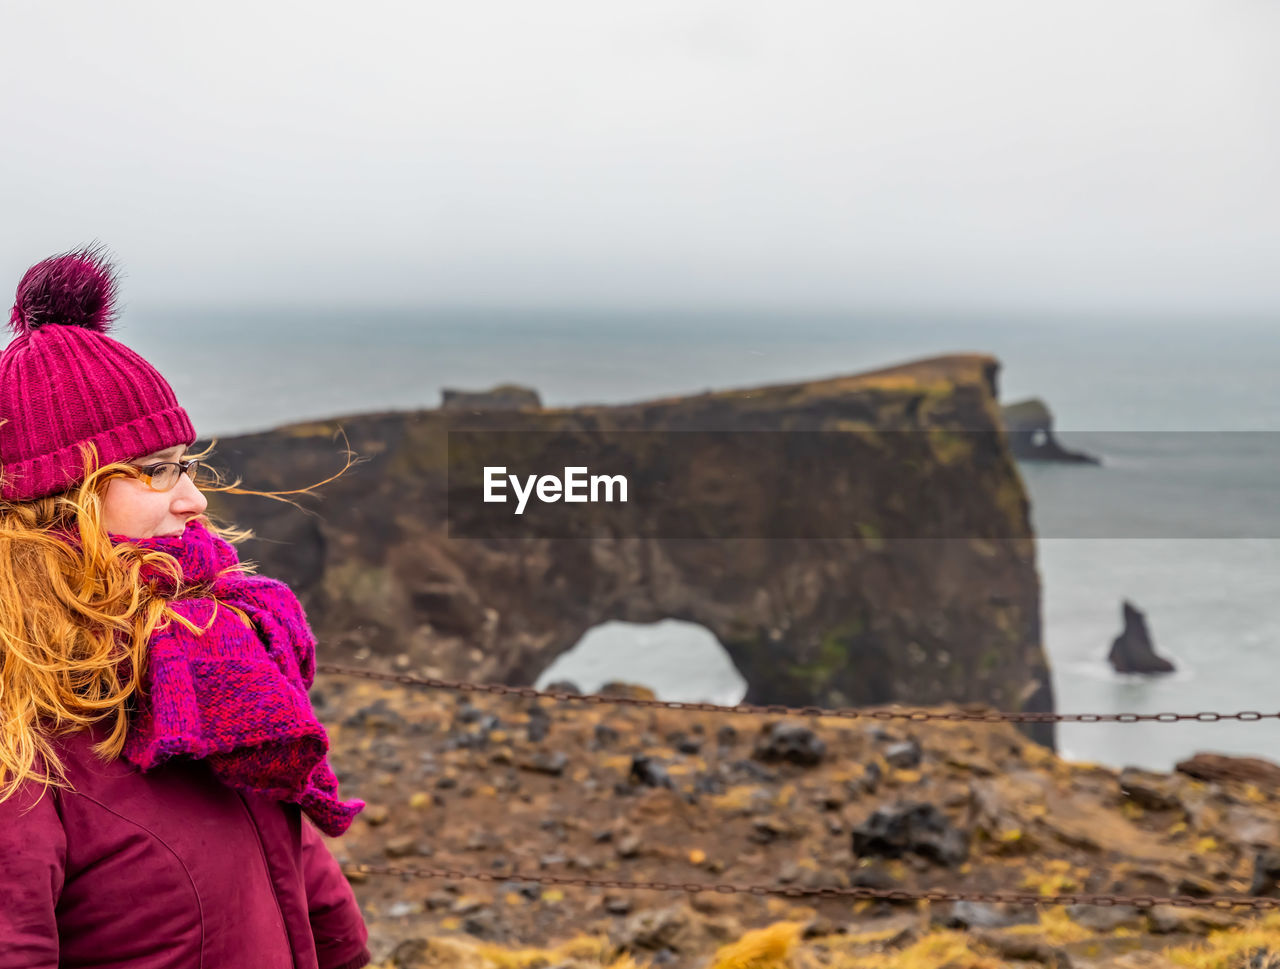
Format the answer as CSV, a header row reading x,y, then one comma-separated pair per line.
x,y
980,716
1220,902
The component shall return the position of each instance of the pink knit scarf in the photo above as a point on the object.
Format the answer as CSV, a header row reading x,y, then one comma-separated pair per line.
x,y
234,696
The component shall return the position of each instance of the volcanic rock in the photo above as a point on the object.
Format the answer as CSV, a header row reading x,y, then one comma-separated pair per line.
x,y
852,620
905,754
648,772
1029,425
1221,767
1266,872
1132,651
792,742
917,828
504,397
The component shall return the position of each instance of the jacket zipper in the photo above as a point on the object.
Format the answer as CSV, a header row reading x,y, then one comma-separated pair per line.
x,y
262,850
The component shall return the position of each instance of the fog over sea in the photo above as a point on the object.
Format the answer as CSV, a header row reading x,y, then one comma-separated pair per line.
x,y
1211,602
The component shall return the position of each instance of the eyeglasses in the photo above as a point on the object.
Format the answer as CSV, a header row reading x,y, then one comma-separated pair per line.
x,y
163,476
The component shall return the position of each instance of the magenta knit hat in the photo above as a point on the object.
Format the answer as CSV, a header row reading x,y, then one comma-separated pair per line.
x,y
63,381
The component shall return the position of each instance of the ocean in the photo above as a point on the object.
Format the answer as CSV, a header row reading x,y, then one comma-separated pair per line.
x,y
1180,519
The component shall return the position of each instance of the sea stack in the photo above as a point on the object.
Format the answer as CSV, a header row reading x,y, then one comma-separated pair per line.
x,y
1028,425
1131,651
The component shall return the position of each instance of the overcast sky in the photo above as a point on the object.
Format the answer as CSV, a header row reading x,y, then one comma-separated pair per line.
x,y
1103,156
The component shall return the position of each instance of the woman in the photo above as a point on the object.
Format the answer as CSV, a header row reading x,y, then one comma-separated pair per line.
x,y
157,745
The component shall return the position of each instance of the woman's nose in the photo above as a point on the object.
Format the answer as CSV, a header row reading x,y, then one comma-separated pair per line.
x,y
187,497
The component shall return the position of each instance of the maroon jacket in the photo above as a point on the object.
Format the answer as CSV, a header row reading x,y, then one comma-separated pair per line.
x,y
166,869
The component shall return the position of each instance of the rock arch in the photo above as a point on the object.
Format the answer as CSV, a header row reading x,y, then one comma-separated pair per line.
x,y
840,621
676,659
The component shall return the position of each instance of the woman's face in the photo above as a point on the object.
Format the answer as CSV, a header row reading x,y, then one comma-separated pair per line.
x,y
132,509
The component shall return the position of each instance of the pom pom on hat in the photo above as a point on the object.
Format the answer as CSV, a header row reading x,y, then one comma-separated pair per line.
x,y
65,383
73,289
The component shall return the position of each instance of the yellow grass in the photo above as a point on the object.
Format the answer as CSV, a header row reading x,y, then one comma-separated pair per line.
x,y
933,951
764,948
1230,948
466,953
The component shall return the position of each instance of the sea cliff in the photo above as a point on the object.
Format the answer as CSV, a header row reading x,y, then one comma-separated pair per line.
x,y
874,615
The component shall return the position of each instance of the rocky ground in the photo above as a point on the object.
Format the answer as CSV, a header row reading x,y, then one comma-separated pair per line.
x,y
517,787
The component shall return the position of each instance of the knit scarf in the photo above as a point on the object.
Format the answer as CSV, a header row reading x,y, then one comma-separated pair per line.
x,y
234,696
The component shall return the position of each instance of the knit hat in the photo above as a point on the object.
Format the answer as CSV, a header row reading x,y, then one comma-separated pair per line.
x,y
64,382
